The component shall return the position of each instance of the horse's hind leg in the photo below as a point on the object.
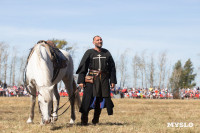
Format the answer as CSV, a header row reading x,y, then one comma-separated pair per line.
x,y
33,100
56,100
69,86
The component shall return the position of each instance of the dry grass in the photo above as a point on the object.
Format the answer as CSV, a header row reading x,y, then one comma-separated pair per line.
x,y
130,115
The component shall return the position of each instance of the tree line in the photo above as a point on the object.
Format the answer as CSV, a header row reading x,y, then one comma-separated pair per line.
x,y
148,71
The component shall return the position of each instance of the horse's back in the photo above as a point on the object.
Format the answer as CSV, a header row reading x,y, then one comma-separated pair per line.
x,y
70,65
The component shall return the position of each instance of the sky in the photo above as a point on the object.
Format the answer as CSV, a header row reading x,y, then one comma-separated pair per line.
x,y
137,25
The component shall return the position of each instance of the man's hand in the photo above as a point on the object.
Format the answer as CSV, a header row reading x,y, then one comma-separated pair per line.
x,y
112,85
81,85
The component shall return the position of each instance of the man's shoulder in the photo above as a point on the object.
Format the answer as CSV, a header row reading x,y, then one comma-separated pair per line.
x,y
105,50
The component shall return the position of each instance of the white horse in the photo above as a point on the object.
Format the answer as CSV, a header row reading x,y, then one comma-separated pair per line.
x,y
39,74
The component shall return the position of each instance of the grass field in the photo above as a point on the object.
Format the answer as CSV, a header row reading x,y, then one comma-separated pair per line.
x,y
130,116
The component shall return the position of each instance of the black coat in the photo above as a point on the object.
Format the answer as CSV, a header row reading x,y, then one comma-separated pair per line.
x,y
94,60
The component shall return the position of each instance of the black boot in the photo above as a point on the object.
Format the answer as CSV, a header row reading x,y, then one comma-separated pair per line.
x,y
84,119
95,119
97,111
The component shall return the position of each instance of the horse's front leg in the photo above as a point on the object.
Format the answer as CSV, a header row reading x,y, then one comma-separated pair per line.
x,y
33,100
56,100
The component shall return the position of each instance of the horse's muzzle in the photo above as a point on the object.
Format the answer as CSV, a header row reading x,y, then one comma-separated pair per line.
x,y
47,122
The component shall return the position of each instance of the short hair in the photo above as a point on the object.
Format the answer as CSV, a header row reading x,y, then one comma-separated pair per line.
x,y
95,37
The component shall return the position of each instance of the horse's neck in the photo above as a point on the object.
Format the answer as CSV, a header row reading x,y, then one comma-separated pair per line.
x,y
43,65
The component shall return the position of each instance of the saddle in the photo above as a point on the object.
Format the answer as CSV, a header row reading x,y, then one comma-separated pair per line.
x,y
56,56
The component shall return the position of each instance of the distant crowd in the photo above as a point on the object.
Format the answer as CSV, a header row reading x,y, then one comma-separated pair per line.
x,y
13,91
145,93
156,93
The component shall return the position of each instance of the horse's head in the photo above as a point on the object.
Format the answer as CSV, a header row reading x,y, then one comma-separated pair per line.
x,y
45,100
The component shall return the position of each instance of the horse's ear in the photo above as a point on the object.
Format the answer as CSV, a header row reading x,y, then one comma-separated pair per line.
x,y
41,41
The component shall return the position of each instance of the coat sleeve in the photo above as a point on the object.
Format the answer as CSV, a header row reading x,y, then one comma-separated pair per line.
x,y
113,78
83,68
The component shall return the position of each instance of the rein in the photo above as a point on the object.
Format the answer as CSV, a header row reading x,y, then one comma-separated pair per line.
x,y
74,94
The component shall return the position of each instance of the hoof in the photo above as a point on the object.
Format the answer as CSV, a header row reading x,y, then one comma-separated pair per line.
x,y
42,123
54,119
29,121
71,121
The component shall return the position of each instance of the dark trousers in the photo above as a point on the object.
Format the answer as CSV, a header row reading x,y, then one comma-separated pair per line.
x,y
97,112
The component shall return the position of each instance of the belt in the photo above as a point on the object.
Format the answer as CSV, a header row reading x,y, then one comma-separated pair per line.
x,y
96,72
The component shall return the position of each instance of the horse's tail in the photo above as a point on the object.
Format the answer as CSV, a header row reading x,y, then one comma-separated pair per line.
x,y
77,96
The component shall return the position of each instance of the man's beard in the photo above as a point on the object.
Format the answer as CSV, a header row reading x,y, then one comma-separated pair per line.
x,y
98,46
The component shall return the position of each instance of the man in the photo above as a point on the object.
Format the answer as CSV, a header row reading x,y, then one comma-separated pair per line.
x,y
97,62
